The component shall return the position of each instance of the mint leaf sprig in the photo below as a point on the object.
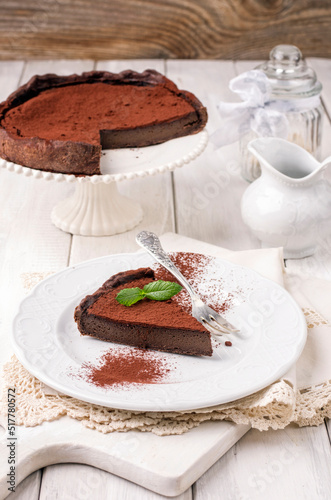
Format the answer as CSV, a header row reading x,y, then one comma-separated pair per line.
x,y
156,290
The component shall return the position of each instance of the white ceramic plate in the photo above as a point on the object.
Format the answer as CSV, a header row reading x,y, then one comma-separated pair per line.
x,y
47,342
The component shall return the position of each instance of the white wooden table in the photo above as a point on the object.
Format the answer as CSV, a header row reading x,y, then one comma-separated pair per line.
x,y
201,200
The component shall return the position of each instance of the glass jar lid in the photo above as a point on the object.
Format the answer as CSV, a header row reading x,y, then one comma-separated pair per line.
x,y
289,74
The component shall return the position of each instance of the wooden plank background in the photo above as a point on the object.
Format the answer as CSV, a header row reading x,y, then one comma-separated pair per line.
x,y
182,29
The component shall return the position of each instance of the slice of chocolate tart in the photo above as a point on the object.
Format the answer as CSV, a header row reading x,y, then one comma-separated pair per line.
x,y
147,324
62,123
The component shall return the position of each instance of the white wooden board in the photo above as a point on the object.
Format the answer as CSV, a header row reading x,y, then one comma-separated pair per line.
x,y
167,465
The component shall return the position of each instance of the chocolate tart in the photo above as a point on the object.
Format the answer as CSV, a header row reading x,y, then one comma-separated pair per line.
x,y
62,123
148,324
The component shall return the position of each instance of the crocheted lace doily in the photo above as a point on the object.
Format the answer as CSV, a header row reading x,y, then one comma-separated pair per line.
x,y
273,407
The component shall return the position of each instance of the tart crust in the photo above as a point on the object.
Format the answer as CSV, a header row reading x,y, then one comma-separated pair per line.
x,y
82,157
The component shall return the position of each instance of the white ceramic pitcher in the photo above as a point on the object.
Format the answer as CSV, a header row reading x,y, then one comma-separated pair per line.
x,y
290,204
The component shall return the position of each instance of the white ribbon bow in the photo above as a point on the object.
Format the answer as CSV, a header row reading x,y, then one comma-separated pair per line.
x,y
257,112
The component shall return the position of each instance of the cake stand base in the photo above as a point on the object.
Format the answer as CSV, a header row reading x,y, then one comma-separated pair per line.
x,y
96,210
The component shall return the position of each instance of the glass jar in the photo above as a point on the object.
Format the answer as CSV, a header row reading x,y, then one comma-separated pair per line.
x,y
296,90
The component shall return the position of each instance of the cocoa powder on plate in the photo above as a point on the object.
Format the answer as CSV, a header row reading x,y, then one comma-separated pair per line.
x,y
123,367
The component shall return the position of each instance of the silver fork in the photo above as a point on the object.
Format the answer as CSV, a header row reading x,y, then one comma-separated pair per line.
x,y
211,320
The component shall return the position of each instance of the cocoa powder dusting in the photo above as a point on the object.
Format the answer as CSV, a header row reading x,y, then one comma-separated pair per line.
x,y
162,313
124,367
192,266
64,113
197,268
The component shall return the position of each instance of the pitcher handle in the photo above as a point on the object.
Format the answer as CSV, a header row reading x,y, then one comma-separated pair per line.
x,y
325,162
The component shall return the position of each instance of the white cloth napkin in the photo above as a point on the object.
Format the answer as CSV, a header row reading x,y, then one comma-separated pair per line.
x,y
311,376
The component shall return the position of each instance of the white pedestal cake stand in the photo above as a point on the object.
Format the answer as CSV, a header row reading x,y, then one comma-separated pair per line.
x,y
96,208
